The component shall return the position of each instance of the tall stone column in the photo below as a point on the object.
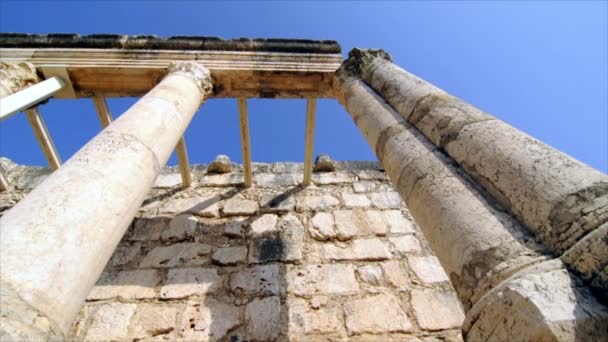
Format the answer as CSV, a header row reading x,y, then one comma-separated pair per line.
x,y
15,77
55,243
563,201
506,283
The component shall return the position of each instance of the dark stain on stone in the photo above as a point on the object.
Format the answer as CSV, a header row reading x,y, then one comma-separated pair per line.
x,y
270,249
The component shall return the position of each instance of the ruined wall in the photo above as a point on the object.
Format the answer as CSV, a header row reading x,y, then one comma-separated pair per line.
x,y
339,260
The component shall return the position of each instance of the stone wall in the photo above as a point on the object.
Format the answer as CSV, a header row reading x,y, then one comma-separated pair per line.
x,y
339,260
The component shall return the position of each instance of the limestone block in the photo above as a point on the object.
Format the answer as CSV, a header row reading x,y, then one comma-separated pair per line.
x,y
370,274
397,222
264,225
181,227
322,227
185,282
224,179
309,202
238,206
230,255
437,309
405,244
288,167
16,77
360,249
110,322
152,320
395,274
271,179
209,320
124,254
589,257
263,318
386,200
262,280
331,178
364,186
322,279
428,269
292,235
135,284
179,254
280,202
235,228
355,200
168,180
357,222
304,320
543,302
148,228
376,314
200,206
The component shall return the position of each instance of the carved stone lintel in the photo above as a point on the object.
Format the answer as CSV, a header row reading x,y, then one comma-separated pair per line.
x,y
16,76
197,72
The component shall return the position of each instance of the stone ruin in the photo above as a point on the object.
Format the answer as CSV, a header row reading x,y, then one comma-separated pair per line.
x,y
466,228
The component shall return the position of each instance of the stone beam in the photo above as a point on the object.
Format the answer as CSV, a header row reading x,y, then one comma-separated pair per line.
x,y
57,240
559,198
491,260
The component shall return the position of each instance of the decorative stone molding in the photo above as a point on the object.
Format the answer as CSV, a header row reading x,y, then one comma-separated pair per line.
x,y
195,71
16,76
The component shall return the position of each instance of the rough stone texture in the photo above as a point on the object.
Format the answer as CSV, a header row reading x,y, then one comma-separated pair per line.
x,y
110,322
264,225
437,309
559,198
427,269
221,164
355,200
15,77
236,206
323,202
377,314
197,282
354,223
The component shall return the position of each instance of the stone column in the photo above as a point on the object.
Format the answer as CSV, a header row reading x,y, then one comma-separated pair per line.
x,y
486,253
55,243
560,199
15,77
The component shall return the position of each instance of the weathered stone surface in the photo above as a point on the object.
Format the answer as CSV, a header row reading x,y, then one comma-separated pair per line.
x,y
323,202
386,200
152,320
263,225
148,229
397,223
370,274
125,254
437,309
263,318
322,279
322,227
376,314
136,284
200,206
304,320
31,178
181,227
238,206
590,258
235,227
364,186
543,302
370,174
180,254
226,179
209,320
280,202
271,179
221,164
353,223
16,77
428,269
288,167
110,322
355,200
405,244
324,163
168,180
292,235
185,282
331,178
230,255
360,249
260,280
395,274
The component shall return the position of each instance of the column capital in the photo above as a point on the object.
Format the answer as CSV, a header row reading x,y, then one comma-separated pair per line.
x,y
360,60
195,71
16,76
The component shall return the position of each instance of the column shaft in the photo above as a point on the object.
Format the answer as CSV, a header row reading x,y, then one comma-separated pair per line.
x,y
559,198
56,241
482,249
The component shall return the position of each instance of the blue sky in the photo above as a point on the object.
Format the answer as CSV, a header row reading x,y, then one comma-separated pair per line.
x,y
540,66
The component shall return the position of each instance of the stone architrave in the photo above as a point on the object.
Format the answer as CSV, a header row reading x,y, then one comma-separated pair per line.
x,y
559,198
57,240
485,252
